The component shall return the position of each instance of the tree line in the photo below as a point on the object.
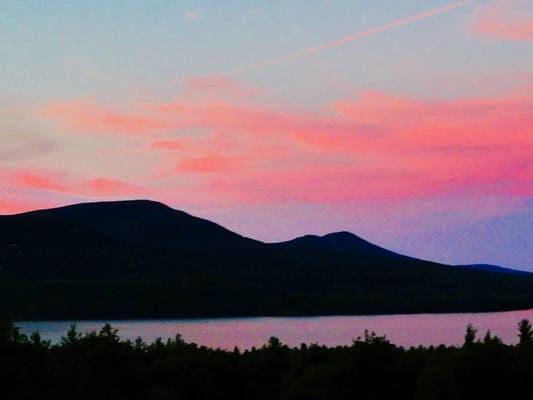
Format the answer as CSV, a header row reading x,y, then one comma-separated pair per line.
x,y
99,365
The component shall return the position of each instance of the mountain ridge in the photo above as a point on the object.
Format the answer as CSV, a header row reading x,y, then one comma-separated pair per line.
x,y
495,268
142,259
131,220
339,240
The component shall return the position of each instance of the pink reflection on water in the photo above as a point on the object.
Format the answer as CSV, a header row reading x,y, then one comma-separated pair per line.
x,y
403,330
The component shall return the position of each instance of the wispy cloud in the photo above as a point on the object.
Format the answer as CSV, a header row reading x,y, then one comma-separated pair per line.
x,y
218,85
377,146
212,162
350,38
62,182
19,139
16,145
194,14
87,115
510,20
416,149
254,12
335,43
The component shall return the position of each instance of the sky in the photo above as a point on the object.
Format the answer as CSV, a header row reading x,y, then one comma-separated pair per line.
x,y
408,123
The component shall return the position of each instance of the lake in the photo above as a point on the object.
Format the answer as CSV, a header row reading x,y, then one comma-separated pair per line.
x,y
403,330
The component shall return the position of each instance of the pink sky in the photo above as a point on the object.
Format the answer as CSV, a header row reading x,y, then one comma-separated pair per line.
x,y
416,118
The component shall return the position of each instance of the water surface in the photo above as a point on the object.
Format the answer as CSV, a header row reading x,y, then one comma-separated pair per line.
x,y
403,330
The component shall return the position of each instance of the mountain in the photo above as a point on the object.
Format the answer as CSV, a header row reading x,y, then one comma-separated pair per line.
x,y
144,222
142,259
495,268
345,244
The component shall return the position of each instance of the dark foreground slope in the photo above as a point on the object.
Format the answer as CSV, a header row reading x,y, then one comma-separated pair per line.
x,y
141,259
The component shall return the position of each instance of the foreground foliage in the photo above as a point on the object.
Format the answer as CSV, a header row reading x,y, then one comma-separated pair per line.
x,y
100,365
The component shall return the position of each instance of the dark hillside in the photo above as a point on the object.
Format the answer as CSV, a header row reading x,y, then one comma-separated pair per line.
x,y
495,268
145,222
144,260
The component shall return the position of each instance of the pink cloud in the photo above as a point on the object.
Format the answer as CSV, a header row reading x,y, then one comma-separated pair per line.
x,y
107,186
219,84
208,163
217,115
194,14
505,20
379,146
169,144
36,180
88,116
479,144
463,123
16,205
397,179
422,149
60,182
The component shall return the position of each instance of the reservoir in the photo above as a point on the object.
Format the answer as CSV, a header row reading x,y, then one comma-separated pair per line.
x,y
245,333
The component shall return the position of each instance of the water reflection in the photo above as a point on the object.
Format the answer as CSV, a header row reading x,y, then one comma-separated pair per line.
x,y
403,330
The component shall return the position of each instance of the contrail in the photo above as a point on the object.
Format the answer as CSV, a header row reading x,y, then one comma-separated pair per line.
x,y
341,41
351,38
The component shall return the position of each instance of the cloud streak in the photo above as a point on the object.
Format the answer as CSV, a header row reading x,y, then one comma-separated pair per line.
x,y
347,39
58,181
505,20
194,14
378,146
89,116
328,45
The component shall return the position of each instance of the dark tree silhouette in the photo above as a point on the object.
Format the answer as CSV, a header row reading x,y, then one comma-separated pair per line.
x,y
99,365
470,335
6,331
525,331
489,338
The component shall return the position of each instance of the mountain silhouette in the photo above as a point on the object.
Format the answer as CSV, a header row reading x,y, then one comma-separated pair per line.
x,y
142,259
495,268
344,243
145,222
